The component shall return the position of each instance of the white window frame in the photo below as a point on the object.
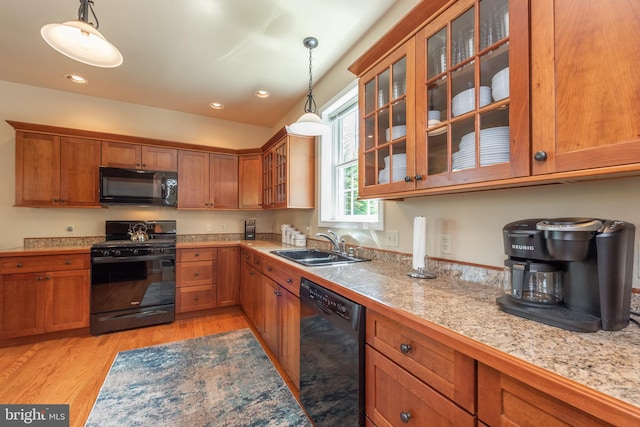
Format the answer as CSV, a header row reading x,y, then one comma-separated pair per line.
x,y
327,172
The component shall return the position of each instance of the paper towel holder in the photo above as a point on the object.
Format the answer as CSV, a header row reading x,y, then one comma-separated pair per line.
x,y
420,272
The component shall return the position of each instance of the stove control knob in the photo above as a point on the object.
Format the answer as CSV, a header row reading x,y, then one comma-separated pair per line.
x,y
105,253
117,252
134,251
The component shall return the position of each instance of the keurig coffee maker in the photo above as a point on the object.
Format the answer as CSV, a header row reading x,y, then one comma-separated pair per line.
x,y
573,273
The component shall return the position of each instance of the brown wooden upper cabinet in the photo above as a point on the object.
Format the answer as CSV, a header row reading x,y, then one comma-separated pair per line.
x,y
288,172
585,88
56,171
138,156
207,180
250,181
478,94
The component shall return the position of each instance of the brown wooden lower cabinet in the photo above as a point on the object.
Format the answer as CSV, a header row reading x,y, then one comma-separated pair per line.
x,y
228,280
505,401
394,397
196,279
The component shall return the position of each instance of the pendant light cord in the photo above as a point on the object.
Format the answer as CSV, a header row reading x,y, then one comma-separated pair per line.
x,y
83,13
310,105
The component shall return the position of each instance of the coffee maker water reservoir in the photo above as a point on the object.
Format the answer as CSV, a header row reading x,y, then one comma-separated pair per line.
x,y
573,273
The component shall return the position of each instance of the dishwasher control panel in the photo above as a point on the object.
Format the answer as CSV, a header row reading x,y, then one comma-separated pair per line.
x,y
327,300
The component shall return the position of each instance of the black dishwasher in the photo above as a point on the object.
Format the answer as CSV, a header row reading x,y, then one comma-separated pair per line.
x,y
331,357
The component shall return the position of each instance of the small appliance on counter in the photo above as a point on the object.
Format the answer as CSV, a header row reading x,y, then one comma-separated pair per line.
x,y
572,273
250,229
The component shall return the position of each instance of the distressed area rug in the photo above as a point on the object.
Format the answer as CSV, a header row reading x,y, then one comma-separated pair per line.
x,y
222,380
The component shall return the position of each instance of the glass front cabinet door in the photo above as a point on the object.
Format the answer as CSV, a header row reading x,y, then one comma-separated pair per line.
x,y
387,127
472,94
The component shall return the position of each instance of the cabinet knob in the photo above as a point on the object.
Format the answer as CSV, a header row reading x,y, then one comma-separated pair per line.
x,y
251,273
277,293
289,280
418,177
197,273
269,268
63,200
55,200
47,277
540,156
405,417
197,254
67,261
40,278
197,297
19,265
405,348
407,179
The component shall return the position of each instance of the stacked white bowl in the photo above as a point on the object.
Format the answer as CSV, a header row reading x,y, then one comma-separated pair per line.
x,y
397,131
494,148
396,171
500,85
465,101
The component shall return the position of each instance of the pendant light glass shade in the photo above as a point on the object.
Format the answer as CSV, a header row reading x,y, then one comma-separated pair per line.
x,y
309,124
81,41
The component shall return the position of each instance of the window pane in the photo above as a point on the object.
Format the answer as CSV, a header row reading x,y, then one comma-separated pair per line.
x,y
349,130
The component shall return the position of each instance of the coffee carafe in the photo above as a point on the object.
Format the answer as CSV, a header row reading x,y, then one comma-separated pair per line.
x,y
573,273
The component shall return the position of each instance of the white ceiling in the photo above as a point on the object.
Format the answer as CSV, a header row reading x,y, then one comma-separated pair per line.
x,y
184,54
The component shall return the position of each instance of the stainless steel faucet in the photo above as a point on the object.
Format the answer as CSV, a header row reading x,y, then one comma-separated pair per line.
x,y
334,239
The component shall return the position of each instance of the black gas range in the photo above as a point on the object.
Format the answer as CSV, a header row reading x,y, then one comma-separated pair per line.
x,y
133,276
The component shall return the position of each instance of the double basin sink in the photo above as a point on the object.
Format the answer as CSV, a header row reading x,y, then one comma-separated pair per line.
x,y
315,257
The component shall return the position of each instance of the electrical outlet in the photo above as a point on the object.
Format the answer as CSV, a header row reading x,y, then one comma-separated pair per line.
x,y
445,243
69,229
209,227
308,230
393,238
223,227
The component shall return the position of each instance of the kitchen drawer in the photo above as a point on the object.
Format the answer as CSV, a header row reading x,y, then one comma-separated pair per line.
x,y
196,273
256,261
32,264
282,274
447,371
393,394
193,298
199,254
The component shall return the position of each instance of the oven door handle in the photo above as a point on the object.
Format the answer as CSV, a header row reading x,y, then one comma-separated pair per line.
x,y
139,315
136,258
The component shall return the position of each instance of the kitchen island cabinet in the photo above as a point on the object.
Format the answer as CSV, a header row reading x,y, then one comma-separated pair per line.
x,y
40,294
56,171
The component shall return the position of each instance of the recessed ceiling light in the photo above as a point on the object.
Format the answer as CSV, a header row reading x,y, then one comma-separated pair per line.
x,y
75,78
263,93
216,106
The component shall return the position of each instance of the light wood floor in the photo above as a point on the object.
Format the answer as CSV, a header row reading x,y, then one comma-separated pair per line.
x,y
71,370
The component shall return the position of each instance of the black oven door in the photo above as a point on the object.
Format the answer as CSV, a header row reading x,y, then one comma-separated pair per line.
x,y
132,282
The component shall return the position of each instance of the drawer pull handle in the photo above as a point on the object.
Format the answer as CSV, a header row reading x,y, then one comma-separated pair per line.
x,y
19,265
405,417
197,297
269,269
67,261
289,280
405,348
197,254
197,273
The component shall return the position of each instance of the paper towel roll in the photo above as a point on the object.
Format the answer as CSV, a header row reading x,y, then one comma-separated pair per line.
x,y
419,241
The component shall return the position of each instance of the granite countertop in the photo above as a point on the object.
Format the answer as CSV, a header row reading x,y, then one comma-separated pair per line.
x,y
606,361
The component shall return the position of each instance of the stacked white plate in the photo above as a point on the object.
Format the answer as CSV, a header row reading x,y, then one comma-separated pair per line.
x,y
465,101
397,131
500,85
399,169
494,148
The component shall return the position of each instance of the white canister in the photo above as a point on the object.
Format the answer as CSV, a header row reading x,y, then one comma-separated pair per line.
x,y
300,240
284,228
289,239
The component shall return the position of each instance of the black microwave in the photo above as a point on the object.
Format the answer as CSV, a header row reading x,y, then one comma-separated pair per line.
x,y
138,187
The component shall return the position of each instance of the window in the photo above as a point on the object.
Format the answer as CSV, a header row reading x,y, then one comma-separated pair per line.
x,y
339,205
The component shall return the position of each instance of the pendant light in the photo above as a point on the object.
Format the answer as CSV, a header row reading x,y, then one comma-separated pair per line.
x,y
309,124
81,40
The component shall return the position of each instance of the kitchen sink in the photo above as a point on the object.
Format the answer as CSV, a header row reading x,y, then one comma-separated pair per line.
x,y
316,257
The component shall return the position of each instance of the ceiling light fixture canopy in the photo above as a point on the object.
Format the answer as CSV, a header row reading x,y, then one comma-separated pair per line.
x,y
81,40
309,123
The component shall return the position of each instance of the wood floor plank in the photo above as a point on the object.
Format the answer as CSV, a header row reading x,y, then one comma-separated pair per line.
x,y
72,369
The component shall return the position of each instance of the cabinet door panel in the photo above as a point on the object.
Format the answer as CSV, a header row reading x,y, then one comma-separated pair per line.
x,y
67,300
79,177
159,158
289,341
224,181
21,305
193,184
228,277
270,305
121,155
250,182
585,99
37,169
